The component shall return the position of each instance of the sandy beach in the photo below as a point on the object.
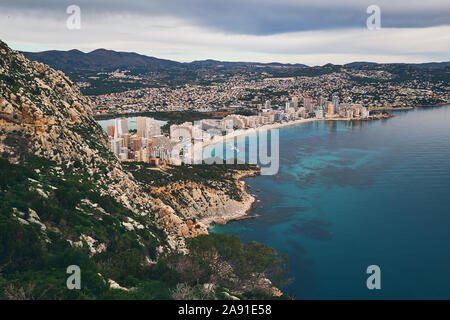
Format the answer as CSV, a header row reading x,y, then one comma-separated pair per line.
x,y
266,127
246,132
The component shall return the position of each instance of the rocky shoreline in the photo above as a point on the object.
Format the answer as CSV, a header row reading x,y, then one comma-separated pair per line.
x,y
247,203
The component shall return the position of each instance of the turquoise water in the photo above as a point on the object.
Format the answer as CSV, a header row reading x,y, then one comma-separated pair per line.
x,y
353,194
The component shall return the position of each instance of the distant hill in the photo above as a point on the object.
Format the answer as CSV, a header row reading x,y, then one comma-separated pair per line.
x,y
215,63
431,64
100,59
107,60
418,65
360,63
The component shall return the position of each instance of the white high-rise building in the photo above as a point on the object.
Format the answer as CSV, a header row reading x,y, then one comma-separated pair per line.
x,y
117,145
153,128
120,127
147,127
335,101
322,102
141,126
185,131
295,102
308,104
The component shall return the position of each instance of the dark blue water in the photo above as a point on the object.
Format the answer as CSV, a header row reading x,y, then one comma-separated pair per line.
x,y
353,194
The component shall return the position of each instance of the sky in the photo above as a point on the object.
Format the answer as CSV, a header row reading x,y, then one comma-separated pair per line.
x,y
288,31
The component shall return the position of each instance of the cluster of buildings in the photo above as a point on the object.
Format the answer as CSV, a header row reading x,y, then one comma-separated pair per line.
x,y
187,97
374,89
146,145
322,108
149,145
308,108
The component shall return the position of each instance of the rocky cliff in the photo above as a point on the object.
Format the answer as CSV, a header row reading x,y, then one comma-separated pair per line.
x,y
66,200
206,204
206,194
43,114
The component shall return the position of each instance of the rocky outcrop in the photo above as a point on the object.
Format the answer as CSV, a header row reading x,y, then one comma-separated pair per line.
x,y
42,113
208,205
81,195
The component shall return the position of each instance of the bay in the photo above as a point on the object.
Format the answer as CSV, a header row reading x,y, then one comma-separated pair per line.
x,y
359,193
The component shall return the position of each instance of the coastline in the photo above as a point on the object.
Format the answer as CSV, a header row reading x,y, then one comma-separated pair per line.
x,y
432,105
246,204
317,203
391,108
249,201
245,132
109,116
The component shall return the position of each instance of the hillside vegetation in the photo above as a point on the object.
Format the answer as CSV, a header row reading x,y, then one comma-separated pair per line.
x,y
66,200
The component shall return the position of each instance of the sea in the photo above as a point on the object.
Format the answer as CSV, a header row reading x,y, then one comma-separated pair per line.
x,y
354,194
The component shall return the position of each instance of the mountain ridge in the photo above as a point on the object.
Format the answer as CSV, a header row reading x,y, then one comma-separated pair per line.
x,y
99,59
95,60
105,59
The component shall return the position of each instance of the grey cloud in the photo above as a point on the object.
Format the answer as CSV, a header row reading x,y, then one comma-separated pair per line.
x,y
257,17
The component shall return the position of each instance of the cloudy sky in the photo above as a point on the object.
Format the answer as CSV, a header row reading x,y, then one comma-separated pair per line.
x,y
313,32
